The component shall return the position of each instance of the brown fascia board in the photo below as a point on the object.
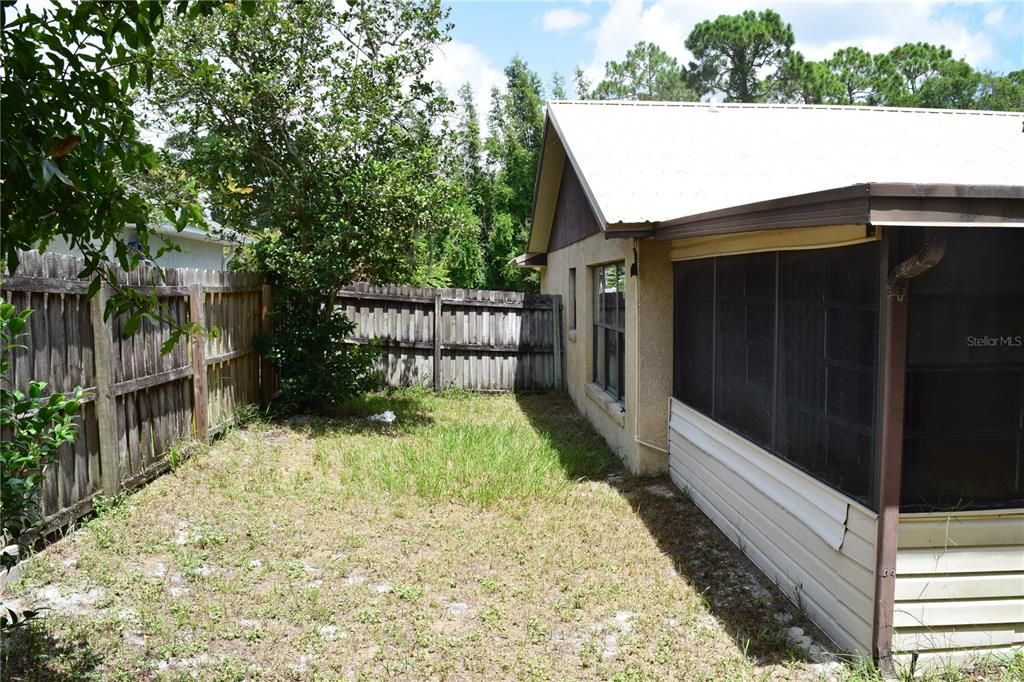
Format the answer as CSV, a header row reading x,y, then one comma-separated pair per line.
x,y
626,230
531,260
866,203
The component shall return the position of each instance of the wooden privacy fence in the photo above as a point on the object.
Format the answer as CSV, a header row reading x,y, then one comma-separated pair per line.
x,y
474,339
142,403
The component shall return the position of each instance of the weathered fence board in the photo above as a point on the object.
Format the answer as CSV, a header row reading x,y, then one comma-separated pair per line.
x,y
474,339
142,401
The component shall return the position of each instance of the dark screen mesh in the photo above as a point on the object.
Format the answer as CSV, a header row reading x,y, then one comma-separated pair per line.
x,y
828,347
964,433
792,367
745,345
694,321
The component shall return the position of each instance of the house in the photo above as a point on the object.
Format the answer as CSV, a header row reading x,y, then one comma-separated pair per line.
x,y
813,319
195,247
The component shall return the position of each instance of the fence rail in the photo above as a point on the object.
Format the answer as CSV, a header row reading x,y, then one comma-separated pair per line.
x,y
142,402
474,339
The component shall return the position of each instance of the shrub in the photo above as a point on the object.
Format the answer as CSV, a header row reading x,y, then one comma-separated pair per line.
x,y
318,369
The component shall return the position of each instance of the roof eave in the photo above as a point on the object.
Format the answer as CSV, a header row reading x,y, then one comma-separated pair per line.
x,y
883,204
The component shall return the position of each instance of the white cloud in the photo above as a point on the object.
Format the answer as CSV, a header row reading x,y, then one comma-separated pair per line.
x,y
994,18
820,27
563,19
456,63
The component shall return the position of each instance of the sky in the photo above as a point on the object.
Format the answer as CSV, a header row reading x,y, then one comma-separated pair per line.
x,y
557,35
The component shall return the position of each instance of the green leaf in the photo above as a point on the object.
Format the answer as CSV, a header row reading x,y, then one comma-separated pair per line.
x,y
131,325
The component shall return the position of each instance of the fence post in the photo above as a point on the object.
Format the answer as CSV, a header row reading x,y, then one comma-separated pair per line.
x,y
437,340
556,317
200,396
110,458
266,386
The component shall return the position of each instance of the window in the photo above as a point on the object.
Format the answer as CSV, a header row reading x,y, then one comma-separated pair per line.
x,y
572,299
609,328
782,348
964,431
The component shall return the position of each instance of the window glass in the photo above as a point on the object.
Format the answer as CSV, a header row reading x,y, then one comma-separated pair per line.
x,y
572,298
609,327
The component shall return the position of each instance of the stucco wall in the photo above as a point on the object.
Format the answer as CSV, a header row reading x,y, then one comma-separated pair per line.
x,y
645,412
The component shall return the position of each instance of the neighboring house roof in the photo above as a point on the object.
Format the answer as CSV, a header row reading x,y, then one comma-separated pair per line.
x,y
645,163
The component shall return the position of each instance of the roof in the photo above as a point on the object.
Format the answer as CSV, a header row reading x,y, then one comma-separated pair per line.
x,y
643,163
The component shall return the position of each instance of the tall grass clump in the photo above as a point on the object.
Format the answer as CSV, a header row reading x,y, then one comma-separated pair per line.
x,y
477,450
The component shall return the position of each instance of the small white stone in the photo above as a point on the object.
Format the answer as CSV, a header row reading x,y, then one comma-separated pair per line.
x,y
355,577
622,619
133,638
249,623
611,646
330,632
661,490
255,563
457,607
381,588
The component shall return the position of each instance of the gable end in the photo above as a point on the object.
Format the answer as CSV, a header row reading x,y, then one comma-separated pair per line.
x,y
574,220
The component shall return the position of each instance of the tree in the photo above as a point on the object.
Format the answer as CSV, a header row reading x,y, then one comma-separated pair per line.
x,y
739,55
855,70
646,73
581,84
1002,93
904,69
311,126
806,82
558,91
516,127
956,85
73,165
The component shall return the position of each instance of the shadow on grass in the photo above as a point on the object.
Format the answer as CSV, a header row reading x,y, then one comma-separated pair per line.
x,y
411,407
32,653
582,453
739,596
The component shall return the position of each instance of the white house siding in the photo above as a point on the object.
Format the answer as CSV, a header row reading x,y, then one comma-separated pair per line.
x,y
959,586
817,545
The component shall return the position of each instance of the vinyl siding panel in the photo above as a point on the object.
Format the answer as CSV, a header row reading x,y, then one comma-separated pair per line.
x,y
814,543
959,586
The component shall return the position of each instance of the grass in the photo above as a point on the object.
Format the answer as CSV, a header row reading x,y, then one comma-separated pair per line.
x,y
477,537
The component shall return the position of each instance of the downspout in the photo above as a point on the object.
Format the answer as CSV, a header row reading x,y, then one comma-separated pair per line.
x,y
891,451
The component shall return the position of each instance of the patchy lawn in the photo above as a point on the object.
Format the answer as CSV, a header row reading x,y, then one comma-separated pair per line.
x,y
476,538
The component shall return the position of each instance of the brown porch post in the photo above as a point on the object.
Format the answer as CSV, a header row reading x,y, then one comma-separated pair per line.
x,y
894,364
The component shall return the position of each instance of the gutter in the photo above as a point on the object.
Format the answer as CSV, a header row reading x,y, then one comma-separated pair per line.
x,y
890,467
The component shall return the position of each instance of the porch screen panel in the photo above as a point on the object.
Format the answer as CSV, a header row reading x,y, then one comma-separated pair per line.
x,y
694,301
964,429
745,344
828,348
782,348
